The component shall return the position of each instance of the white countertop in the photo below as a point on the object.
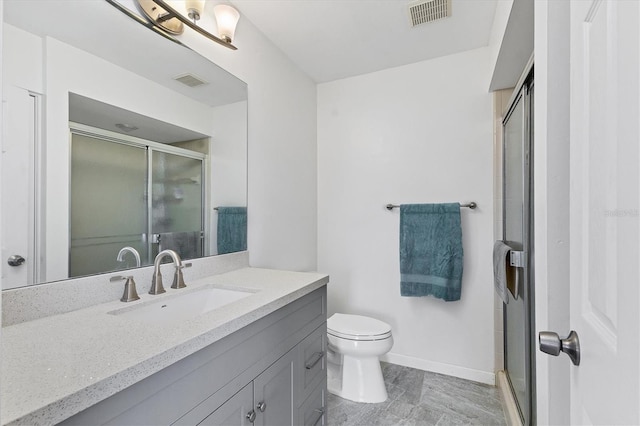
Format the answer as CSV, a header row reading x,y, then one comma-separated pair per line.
x,y
55,367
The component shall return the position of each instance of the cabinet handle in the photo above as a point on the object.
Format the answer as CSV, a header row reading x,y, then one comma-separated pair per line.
x,y
261,406
251,416
320,412
314,360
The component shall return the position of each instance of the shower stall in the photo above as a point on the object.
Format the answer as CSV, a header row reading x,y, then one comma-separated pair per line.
x,y
517,232
129,192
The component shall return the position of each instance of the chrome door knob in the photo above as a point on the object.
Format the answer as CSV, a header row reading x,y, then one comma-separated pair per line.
x,y
251,416
16,260
550,343
261,406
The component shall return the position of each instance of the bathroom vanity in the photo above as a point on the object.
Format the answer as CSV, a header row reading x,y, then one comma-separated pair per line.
x,y
260,359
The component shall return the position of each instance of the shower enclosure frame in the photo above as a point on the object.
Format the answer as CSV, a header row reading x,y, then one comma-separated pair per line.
x,y
150,147
523,92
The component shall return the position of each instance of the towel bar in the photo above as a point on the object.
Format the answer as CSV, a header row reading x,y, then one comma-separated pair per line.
x,y
472,205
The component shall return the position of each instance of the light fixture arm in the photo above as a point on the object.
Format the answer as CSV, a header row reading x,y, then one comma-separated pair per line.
x,y
172,13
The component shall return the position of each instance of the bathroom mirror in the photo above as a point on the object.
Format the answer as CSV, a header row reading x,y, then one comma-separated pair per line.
x,y
114,136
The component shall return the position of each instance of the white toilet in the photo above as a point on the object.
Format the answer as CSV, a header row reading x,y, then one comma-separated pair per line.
x,y
355,345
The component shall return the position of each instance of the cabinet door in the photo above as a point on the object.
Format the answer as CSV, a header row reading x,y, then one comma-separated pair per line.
x,y
273,392
234,411
312,411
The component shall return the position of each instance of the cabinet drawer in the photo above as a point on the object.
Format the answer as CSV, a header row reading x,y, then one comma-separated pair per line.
x,y
312,364
313,411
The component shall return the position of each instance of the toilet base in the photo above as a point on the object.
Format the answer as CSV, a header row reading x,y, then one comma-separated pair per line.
x,y
362,380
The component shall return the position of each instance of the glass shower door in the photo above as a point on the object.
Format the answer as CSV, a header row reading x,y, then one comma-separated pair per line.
x,y
517,231
176,213
108,203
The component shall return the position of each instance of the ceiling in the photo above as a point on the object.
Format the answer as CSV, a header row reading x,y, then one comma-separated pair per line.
x,y
334,39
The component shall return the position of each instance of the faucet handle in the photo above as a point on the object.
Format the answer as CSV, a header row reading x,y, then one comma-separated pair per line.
x,y
178,278
130,294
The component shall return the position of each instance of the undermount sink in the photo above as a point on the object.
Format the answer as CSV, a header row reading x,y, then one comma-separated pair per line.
x,y
172,310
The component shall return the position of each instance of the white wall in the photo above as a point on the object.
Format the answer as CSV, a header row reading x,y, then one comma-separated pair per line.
x,y
420,133
282,206
22,59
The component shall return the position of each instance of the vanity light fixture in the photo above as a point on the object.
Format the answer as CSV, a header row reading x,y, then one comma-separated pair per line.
x,y
162,14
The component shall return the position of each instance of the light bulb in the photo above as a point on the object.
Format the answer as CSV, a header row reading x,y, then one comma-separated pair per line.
x,y
227,19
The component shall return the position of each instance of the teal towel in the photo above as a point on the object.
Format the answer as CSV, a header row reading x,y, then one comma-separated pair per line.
x,y
431,250
232,229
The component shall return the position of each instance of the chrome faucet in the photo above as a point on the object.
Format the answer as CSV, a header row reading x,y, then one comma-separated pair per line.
x,y
178,279
131,250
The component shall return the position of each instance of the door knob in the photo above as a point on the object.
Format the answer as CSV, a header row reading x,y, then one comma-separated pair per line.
x,y
550,343
15,260
261,406
251,416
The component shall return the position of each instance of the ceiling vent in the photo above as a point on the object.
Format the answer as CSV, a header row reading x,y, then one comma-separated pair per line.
x,y
422,11
190,80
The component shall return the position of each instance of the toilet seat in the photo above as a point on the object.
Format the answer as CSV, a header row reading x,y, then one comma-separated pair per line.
x,y
357,327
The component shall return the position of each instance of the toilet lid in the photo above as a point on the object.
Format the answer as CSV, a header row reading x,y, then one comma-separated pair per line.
x,y
357,327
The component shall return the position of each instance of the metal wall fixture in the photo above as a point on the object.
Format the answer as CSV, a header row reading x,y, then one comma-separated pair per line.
x,y
472,205
162,14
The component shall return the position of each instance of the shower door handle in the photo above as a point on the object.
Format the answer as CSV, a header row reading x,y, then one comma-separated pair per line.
x,y
517,259
550,343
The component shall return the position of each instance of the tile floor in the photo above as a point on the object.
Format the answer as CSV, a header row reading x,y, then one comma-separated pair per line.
x,y
417,397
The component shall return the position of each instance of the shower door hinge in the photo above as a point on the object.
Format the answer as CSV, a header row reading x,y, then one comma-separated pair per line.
x,y
518,259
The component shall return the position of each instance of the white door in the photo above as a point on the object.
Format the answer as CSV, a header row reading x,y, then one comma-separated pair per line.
x,y
605,217
18,183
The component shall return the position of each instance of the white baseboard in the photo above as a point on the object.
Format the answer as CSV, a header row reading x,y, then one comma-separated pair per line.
x,y
438,367
509,403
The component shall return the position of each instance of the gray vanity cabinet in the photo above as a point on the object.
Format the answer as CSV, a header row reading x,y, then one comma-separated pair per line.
x,y
292,391
270,372
268,400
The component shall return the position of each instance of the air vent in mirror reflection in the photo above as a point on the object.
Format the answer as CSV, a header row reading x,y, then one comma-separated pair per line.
x,y
190,80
